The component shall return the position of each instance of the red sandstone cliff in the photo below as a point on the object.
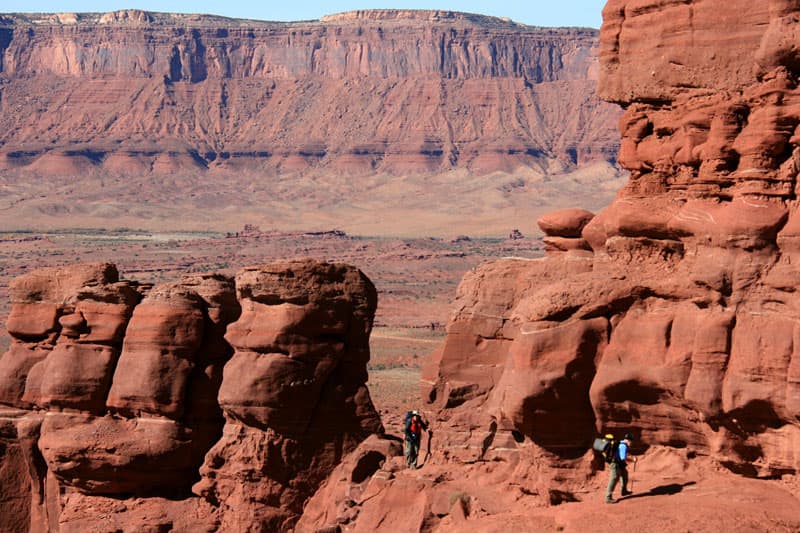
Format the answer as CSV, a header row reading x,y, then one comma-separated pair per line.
x,y
134,114
672,314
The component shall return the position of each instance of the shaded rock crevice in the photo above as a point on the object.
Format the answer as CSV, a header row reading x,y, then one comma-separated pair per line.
x,y
6,36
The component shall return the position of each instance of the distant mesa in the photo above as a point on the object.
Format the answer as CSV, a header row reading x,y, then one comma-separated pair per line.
x,y
179,102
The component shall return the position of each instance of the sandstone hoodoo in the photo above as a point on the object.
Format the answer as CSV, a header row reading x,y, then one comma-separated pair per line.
x,y
130,115
293,394
246,391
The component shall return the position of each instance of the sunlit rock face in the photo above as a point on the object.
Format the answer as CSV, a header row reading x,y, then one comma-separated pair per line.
x,y
294,393
673,312
250,388
191,93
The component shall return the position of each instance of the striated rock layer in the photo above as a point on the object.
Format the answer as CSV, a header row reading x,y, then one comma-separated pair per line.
x,y
245,392
146,109
388,90
672,314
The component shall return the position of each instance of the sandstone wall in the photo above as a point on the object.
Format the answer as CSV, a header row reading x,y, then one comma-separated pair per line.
x,y
383,44
671,314
209,402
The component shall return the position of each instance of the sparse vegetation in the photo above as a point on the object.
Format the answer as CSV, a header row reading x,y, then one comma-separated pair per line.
x,y
462,498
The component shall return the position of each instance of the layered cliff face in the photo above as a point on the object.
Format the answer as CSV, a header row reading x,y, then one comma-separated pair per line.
x,y
205,403
146,109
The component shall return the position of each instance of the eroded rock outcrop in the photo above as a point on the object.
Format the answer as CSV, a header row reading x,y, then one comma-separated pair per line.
x,y
676,316
294,393
680,322
671,314
682,326
251,388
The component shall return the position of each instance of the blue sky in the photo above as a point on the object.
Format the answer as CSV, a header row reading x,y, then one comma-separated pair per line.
x,y
536,12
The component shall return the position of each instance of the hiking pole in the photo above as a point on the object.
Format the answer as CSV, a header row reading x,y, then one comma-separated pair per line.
x,y
428,451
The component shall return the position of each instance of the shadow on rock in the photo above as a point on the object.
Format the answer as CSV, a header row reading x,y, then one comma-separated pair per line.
x,y
663,490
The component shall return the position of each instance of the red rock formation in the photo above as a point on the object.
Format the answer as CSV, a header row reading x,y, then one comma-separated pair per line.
x,y
73,328
681,327
113,99
563,229
293,393
365,472
112,390
671,314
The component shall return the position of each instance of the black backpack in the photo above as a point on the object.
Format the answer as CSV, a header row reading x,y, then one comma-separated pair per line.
x,y
407,424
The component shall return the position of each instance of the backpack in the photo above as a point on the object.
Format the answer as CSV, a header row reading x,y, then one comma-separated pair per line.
x,y
407,420
407,424
607,446
412,428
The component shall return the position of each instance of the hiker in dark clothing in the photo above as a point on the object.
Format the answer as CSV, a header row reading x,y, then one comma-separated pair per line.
x,y
618,468
413,438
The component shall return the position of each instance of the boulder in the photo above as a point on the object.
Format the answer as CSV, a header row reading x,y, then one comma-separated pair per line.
x,y
565,223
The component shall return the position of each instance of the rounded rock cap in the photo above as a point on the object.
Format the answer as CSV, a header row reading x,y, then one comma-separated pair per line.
x,y
565,223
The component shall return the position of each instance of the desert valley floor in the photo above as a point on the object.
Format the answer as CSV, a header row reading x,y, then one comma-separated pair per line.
x,y
416,278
